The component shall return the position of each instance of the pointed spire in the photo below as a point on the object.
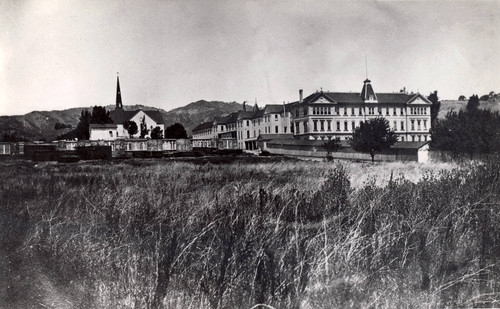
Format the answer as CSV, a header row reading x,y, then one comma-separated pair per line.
x,y
119,104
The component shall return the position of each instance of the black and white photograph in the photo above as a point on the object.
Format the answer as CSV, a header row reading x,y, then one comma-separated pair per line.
x,y
256,154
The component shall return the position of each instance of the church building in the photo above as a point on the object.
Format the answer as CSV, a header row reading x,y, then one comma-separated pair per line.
x,y
117,130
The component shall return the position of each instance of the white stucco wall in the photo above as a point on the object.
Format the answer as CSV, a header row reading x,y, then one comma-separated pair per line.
x,y
106,134
150,123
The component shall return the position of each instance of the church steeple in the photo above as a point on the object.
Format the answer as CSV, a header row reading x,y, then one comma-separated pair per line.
x,y
119,105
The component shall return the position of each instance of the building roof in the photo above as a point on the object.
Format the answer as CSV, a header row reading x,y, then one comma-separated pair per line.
x,y
367,91
355,97
258,114
399,97
155,115
245,114
231,118
120,116
204,126
273,109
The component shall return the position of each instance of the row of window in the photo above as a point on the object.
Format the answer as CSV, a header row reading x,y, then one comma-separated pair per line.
x,y
267,130
326,125
267,118
321,110
228,127
412,138
204,132
418,111
419,125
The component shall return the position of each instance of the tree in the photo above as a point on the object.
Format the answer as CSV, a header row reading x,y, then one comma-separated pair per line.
x,y
330,146
462,98
436,105
12,137
473,103
60,126
175,131
131,127
82,129
144,128
100,115
157,133
470,132
373,136
484,97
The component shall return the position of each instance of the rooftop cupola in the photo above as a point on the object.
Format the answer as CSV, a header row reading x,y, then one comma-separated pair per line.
x,y
367,93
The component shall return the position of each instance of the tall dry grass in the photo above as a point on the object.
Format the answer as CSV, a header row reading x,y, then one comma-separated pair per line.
x,y
157,234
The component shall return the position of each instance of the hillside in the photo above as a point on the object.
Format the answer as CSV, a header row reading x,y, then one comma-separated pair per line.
x,y
456,105
198,112
40,125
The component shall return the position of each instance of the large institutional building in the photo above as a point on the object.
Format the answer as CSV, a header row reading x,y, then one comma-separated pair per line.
x,y
319,116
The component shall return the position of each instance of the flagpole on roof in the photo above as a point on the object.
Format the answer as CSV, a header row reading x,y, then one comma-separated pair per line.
x,y
366,66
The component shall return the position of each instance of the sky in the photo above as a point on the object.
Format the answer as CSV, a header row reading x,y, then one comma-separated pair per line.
x,y
58,54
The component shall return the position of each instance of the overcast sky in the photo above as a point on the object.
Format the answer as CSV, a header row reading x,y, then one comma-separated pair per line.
x,y
63,54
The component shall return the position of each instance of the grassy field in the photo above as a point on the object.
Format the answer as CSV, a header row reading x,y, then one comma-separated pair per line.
x,y
285,233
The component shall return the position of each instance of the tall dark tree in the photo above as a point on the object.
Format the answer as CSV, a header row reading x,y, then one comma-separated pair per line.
x,y
157,133
436,105
330,146
100,115
131,127
373,136
82,131
473,103
144,128
175,131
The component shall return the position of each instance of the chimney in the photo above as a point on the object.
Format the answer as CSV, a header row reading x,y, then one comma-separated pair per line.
x,y
300,96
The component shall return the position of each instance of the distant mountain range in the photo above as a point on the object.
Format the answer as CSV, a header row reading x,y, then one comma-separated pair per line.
x,y
47,125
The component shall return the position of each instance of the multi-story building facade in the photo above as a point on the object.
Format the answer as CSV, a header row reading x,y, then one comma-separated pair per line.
x,y
241,130
327,115
203,135
321,116
225,131
273,119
